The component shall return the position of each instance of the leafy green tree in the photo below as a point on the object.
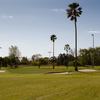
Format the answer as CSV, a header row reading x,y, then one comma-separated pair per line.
x,y
74,10
24,61
1,61
36,59
62,59
14,51
44,61
5,61
53,38
53,60
97,56
84,57
14,55
67,48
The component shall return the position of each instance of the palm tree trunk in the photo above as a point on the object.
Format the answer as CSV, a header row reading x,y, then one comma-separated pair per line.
x,y
76,68
53,56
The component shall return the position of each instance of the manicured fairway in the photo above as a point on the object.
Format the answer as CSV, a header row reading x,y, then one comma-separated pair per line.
x,y
42,86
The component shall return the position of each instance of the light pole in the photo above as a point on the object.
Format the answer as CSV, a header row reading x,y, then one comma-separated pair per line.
x,y
49,54
93,50
93,39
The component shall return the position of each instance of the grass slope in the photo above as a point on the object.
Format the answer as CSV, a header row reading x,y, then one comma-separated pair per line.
x,y
15,85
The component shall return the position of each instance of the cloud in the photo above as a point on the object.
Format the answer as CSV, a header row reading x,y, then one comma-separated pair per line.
x,y
94,32
10,17
58,10
7,17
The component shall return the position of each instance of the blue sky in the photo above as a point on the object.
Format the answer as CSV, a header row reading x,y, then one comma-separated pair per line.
x,y
29,24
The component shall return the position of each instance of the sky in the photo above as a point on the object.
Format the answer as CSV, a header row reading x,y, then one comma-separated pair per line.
x,y
28,24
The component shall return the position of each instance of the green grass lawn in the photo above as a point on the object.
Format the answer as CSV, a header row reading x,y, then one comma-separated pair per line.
x,y
31,83
36,70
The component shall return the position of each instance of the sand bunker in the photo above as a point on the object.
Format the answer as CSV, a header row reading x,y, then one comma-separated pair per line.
x,y
59,73
2,71
87,70
82,70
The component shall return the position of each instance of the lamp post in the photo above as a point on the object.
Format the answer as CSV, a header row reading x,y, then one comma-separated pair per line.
x,y
49,54
93,39
93,50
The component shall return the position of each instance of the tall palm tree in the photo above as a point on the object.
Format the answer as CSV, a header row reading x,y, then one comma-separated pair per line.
x,y
53,38
74,10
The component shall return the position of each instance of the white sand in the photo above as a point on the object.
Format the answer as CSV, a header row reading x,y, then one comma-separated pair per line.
x,y
63,73
87,70
82,70
2,71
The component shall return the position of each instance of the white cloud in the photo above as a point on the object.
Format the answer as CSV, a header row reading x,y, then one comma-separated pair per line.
x,y
58,10
7,17
94,32
10,17
3,16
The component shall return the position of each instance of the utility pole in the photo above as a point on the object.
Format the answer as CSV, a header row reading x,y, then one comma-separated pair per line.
x,y
93,50
93,39
49,54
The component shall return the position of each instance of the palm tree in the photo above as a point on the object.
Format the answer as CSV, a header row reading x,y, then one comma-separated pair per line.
x,y
53,38
73,12
67,48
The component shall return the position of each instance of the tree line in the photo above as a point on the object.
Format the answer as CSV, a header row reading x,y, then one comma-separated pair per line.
x,y
86,57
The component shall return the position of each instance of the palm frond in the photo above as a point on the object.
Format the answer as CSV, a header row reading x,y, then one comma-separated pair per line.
x,y
53,37
74,11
